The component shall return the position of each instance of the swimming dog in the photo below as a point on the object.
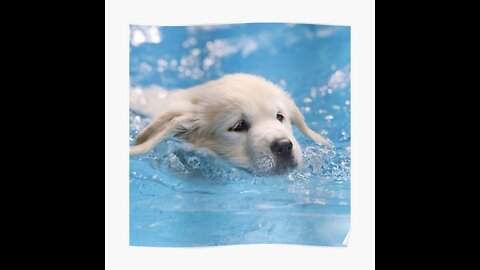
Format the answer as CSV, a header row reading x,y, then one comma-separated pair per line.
x,y
242,118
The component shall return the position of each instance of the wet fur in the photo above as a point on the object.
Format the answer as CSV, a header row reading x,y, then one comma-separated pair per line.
x,y
203,114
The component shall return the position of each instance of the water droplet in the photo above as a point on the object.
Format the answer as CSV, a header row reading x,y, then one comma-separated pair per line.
x,y
162,62
145,68
322,111
183,61
195,52
208,62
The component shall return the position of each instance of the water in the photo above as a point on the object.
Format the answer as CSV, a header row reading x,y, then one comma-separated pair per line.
x,y
183,196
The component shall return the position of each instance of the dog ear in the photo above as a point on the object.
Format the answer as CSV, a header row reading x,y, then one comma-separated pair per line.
x,y
299,121
166,124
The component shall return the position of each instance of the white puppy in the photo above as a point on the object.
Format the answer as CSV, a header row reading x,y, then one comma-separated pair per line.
x,y
242,118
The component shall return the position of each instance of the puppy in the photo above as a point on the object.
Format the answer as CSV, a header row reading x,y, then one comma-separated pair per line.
x,y
243,118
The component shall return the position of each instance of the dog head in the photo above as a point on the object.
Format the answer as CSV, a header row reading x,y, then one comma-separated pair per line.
x,y
242,118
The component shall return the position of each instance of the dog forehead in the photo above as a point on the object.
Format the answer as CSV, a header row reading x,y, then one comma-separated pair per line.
x,y
255,90
240,94
256,104
235,106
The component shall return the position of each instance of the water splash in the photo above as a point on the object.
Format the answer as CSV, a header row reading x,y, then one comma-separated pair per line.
x,y
180,158
140,34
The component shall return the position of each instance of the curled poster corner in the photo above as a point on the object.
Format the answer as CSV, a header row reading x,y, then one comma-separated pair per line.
x,y
345,241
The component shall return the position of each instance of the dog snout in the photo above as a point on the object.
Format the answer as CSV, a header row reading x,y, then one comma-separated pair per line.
x,y
282,147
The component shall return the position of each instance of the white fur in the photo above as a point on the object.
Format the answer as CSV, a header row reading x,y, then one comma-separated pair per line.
x,y
203,114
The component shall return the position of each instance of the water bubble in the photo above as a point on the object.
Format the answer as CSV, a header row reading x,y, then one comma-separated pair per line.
x,y
137,120
191,41
207,63
323,90
162,62
194,162
195,52
174,163
138,38
321,111
340,78
183,61
145,34
145,68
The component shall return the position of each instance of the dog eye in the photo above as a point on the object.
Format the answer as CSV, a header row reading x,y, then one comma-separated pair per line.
x,y
239,126
280,117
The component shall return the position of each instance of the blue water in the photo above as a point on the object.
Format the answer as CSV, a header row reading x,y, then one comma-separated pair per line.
x,y
191,198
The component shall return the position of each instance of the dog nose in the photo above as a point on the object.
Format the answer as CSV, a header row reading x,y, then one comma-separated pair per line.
x,y
282,147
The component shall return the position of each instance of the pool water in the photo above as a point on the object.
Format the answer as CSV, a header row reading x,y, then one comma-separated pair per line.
x,y
181,196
